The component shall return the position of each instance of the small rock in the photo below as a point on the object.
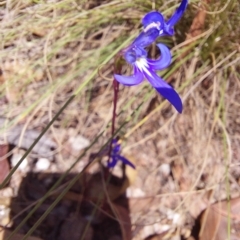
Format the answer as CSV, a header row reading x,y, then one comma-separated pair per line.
x,y
160,228
165,169
175,217
4,215
38,73
6,193
42,164
148,231
135,192
23,167
78,142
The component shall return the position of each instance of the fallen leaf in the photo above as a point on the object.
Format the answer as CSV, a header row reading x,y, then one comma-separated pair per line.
x,y
177,171
214,221
180,175
95,188
196,204
115,186
197,24
122,215
4,165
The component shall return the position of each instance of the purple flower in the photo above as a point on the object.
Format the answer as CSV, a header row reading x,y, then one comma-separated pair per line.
x,y
155,26
115,155
146,68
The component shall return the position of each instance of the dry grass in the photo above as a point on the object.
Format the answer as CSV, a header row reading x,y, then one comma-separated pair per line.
x,y
49,50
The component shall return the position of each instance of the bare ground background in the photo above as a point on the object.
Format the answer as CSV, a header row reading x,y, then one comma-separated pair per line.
x,y
52,50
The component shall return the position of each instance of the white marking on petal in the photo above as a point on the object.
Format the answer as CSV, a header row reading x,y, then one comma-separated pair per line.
x,y
153,25
142,65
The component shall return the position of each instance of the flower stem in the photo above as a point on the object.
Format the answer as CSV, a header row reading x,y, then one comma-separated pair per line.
x,y
114,114
115,98
117,70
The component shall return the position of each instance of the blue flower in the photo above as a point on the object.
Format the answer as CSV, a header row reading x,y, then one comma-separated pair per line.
x,y
155,26
146,68
115,155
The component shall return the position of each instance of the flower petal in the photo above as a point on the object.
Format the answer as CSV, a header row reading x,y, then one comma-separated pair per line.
x,y
145,39
116,148
178,14
113,162
135,79
165,90
153,17
168,31
164,61
125,161
130,55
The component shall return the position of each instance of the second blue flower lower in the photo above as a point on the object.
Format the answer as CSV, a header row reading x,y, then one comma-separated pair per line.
x,y
115,156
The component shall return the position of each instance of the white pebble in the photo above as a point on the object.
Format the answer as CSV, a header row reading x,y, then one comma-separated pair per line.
x,y
42,164
148,231
159,228
135,192
15,159
79,142
175,217
165,169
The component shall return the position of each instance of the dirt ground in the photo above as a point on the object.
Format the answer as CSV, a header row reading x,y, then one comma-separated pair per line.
x,y
187,176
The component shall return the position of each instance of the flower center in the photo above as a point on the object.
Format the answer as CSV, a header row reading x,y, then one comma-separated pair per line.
x,y
142,65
